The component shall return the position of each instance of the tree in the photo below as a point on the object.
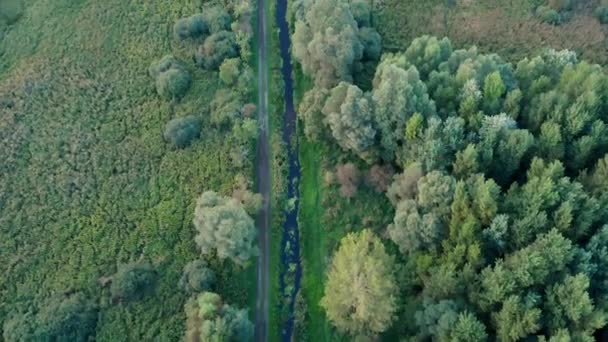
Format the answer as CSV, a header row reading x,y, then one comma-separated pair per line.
x,y
225,108
569,306
413,230
426,53
132,281
171,77
468,329
379,177
405,185
217,19
361,292
311,113
493,91
223,225
230,70
193,27
10,11
516,320
348,177
210,319
217,47
181,132
372,43
62,318
398,93
327,42
349,114
197,277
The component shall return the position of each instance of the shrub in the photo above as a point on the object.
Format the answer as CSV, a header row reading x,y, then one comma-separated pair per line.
x,y
601,13
217,19
61,318
172,78
132,281
380,177
10,11
548,15
224,226
348,177
230,70
197,277
225,107
173,83
182,131
164,64
191,28
249,110
216,49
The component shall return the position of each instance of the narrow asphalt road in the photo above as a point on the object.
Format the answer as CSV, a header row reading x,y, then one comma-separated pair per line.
x,y
263,179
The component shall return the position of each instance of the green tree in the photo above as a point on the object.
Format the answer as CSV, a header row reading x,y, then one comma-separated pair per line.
x,y
193,27
197,277
181,132
217,47
398,93
210,319
133,281
223,225
361,292
230,70
61,318
311,113
349,115
426,53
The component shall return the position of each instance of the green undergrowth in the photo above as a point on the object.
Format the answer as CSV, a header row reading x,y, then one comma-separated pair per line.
x,y
87,181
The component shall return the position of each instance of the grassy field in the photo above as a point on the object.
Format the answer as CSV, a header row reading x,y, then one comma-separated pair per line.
x,y
86,179
508,28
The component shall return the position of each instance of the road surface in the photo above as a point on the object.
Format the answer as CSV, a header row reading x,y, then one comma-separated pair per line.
x,y
263,179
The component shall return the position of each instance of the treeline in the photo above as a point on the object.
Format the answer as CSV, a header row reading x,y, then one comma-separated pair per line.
x,y
500,197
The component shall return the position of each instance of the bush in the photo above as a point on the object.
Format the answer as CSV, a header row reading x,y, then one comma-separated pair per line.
x,y
225,107
217,19
61,318
197,277
601,13
172,78
548,15
348,177
182,131
10,11
216,49
230,70
173,83
191,28
379,177
132,281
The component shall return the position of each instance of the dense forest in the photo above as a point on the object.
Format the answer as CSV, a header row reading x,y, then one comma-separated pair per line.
x,y
496,172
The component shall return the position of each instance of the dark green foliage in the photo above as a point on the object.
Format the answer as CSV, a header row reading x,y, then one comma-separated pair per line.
x,y
225,107
548,15
61,318
181,132
197,277
133,281
601,13
217,19
209,319
193,27
10,11
172,79
217,47
224,226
